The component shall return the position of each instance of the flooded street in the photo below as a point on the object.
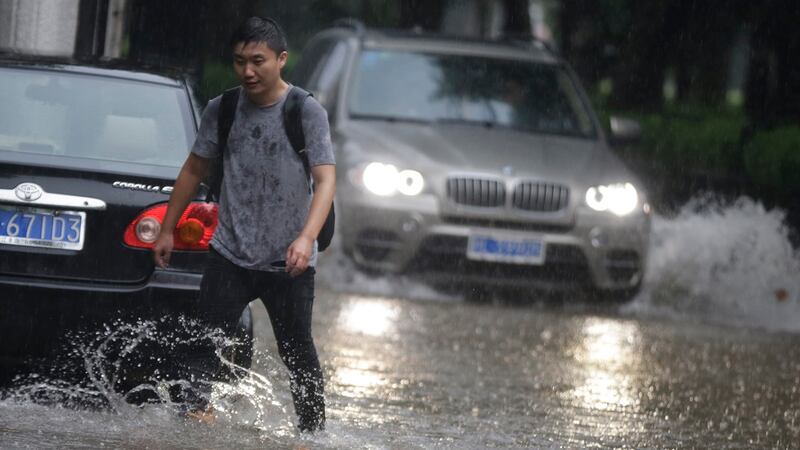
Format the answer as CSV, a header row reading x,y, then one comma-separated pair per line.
x,y
411,374
540,377
681,366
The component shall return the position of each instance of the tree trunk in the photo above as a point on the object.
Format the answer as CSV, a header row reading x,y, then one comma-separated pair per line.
x,y
184,34
772,95
426,14
518,19
639,78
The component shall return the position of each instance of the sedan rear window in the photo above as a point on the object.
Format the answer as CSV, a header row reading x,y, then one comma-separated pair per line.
x,y
519,94
88,116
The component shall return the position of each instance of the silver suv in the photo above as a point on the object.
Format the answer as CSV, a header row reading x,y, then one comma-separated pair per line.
x,y
474,162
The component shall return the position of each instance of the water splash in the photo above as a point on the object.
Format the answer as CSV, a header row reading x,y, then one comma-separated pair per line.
x,y
340,273
723,263
128,369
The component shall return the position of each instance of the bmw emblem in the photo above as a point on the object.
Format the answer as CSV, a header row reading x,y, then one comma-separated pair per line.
x,y
28,192
508,171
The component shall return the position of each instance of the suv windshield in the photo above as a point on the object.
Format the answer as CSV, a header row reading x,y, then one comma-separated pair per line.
x,y
86,116
519,94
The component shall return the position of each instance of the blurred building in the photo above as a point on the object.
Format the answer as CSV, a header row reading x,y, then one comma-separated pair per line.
x,y
39,26
84,28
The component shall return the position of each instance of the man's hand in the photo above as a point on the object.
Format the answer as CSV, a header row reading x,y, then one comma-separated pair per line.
x,y
298,255
192,172
162,249
324,188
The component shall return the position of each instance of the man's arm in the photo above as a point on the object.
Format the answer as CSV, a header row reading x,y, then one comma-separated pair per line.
x,y
299,253
189,178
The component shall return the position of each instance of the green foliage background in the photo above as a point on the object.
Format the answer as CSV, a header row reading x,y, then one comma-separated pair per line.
x,y
772,160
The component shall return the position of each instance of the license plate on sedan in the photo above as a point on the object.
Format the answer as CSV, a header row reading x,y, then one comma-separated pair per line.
x,y
506,249
31,227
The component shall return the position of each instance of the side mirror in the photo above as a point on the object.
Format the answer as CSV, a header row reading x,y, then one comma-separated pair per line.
x,y
328,101
625,131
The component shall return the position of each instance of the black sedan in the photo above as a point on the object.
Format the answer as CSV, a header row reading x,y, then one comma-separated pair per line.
x,y
88,155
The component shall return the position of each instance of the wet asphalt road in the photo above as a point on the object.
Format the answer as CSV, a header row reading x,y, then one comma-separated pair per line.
x,y
459,374
446,373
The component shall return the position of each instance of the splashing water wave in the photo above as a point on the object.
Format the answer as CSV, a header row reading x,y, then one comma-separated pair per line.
x,y
340,273
127,369
119,389
730,264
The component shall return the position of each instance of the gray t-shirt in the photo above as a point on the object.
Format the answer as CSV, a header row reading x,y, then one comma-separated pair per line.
x,y
266,194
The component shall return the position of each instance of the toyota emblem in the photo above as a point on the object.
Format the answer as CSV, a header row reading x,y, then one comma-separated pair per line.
x,y
28,192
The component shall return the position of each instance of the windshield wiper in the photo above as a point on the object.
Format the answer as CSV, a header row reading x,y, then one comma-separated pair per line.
x,y
460,121
390,119
441,120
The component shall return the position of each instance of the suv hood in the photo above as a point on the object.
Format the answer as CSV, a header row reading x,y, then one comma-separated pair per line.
x,y
457,148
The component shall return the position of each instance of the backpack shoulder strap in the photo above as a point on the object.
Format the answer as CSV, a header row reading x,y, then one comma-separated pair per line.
x,y
225,117
227,112
293,120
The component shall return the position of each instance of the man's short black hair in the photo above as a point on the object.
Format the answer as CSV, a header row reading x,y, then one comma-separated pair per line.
x,y
260,29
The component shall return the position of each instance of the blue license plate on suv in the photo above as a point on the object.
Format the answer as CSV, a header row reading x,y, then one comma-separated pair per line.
x,y
42,228
506,249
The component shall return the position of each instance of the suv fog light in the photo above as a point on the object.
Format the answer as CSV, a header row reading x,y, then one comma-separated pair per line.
x,y
147,229
410,226
598,237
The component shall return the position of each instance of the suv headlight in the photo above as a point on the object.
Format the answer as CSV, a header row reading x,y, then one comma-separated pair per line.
x,y
621,198
385,179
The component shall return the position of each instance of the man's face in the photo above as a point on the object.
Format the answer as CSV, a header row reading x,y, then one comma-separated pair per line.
x,y
257,66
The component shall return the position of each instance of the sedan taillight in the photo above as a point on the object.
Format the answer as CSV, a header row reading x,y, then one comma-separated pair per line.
x,y
193,232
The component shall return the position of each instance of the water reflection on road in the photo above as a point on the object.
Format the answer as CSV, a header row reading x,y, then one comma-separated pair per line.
x,y
607,355
415,373
419,374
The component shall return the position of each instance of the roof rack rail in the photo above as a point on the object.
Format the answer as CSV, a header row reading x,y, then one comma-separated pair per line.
x,y
352,23
531,41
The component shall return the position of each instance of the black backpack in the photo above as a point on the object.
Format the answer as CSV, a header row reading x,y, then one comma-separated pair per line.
x,y
292,123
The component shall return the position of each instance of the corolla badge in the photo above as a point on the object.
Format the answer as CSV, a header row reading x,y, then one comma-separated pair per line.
x,y
28,192
142,187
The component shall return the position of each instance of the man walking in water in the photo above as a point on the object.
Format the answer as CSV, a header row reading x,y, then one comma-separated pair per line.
x,y
269,217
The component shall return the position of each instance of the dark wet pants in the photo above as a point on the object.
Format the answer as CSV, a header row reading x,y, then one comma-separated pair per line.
x,y
225,291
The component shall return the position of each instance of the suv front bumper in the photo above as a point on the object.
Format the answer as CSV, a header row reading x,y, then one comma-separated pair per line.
x,y
410,235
